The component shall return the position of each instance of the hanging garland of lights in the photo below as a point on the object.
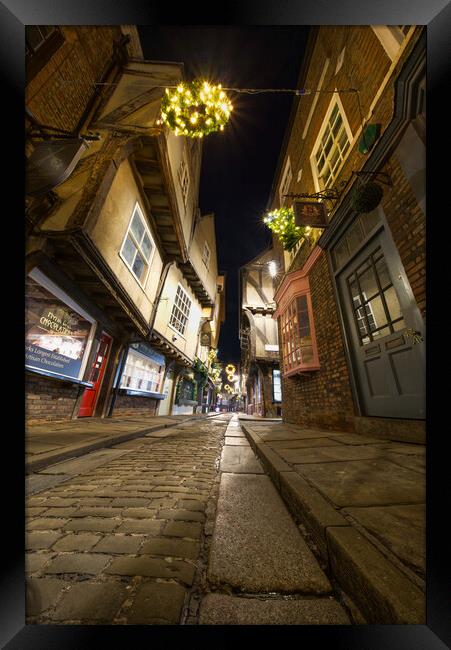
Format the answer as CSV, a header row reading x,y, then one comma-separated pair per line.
x,y
195,108
281,222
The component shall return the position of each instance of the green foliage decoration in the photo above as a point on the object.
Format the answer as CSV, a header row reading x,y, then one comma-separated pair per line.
x,y
281,222
195,108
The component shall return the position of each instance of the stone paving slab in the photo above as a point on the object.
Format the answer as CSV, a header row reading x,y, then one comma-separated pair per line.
x,y
157,603
402,528
180,548
330,454
365,482
41,594
256,546
218,609
382,592
240,459
311,508
416,463
152,567
236,440
287,434
90,602
302,443
78,563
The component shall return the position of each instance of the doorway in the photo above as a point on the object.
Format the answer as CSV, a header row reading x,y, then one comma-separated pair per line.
x,y
90,395
384,330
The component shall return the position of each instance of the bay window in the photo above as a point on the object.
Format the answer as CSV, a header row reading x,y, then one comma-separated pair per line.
x,y
297,330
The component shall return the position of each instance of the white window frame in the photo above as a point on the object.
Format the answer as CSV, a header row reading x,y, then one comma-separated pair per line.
x,y
138,355
391,37
334,101
285,182
43,280
137,210
184,179
206,255
185,315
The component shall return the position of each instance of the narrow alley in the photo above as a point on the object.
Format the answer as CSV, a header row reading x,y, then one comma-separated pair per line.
x,y
225,328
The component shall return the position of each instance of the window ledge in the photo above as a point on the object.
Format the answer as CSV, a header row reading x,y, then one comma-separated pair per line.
x,y
142,393
53,375
300,370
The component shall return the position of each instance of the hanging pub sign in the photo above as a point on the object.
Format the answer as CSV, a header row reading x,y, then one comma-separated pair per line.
x,y
57,334
205,339
308,213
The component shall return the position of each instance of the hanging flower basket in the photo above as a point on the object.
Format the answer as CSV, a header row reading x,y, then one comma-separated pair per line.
x,y
367,197
195,108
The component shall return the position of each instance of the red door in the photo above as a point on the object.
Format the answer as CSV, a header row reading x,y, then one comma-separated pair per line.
x,y
88,401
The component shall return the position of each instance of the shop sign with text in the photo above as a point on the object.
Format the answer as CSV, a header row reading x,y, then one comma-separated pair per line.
x,y
56,335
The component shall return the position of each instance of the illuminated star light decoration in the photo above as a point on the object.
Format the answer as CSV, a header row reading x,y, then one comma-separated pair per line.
x,y
282,223
195,108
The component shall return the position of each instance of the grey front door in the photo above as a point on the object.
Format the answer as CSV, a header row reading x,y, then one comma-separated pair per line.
x,y
385,332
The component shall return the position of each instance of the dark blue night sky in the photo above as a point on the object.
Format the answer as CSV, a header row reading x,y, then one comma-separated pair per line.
x,y
238,165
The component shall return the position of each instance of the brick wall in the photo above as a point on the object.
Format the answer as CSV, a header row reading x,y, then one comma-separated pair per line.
x,y
322,398
48,399
134,405
59,93
407,223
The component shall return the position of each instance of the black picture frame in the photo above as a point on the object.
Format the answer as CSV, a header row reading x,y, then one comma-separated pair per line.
x,y
436,14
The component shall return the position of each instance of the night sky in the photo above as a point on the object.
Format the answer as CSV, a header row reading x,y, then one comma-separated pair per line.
x,y
238,164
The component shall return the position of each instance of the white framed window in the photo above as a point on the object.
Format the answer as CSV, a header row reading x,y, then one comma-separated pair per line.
x,y
285,182
206,255
180,311
332,145
276,386
141,373
391,37
138,246
184,180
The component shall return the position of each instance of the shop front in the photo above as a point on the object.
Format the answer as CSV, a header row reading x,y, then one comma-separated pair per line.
x,y
141,383
59,338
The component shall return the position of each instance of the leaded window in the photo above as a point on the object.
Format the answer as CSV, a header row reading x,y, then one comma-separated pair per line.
x,y
138,246
332,148
180,311
376,309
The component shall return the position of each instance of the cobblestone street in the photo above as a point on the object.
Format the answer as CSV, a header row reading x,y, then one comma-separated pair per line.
x,y
181,526
120,542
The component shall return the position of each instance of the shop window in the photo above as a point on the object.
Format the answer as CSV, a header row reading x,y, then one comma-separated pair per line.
x,y
58,332
141,373
180,311
276,386
299,351
138,247
332,146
